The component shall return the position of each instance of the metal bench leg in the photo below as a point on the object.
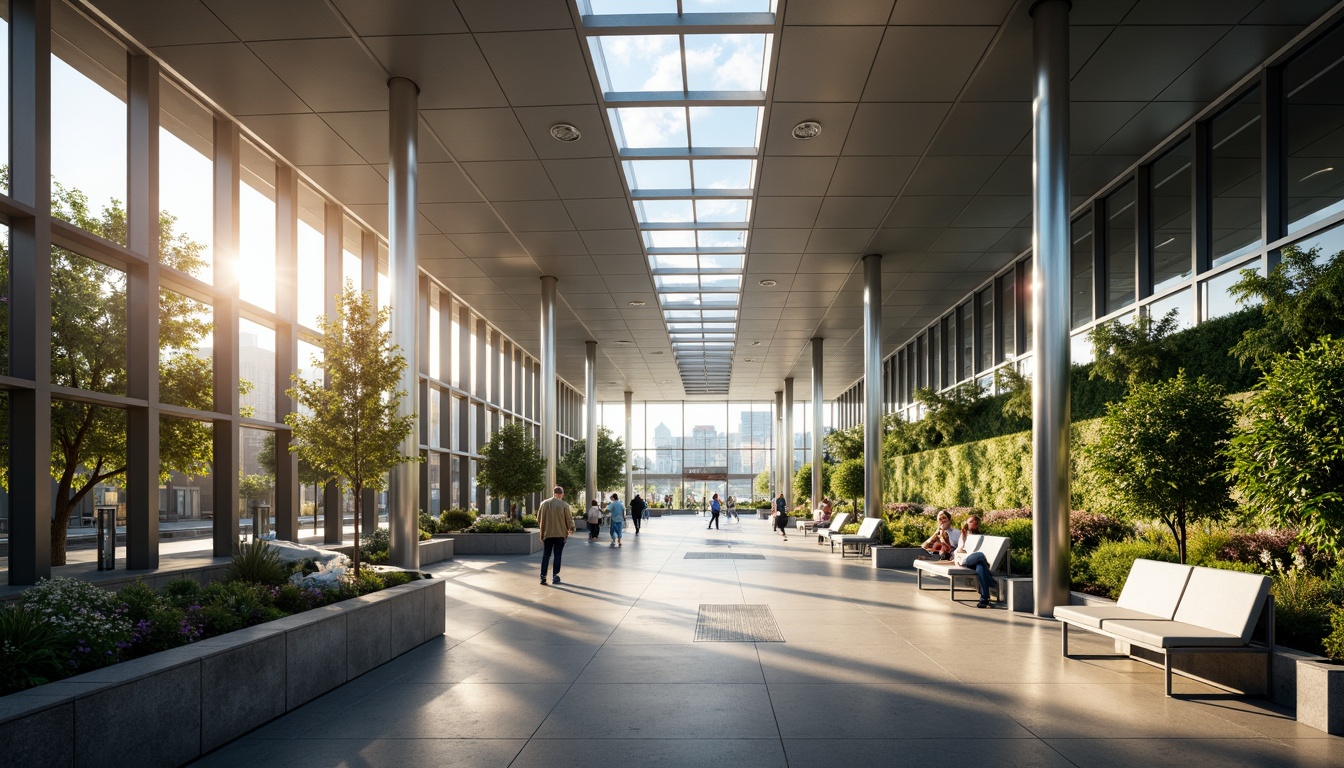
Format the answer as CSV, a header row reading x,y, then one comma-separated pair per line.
x,y
919,579
1166,658
1064,638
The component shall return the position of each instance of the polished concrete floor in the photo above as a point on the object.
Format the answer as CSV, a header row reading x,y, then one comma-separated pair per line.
x,y
604,670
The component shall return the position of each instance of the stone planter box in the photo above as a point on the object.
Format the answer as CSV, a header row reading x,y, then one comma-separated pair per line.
x,y
433,551
1320,695
500,543
895,557
172,707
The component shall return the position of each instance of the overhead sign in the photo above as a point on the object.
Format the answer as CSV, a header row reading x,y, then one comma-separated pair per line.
x,y
705,473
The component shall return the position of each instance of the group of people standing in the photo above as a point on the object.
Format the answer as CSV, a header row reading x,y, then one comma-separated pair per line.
x,y
557,523
716,507
638,514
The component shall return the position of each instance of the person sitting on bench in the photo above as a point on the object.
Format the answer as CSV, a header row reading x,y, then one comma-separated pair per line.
x,y
943,542
975,560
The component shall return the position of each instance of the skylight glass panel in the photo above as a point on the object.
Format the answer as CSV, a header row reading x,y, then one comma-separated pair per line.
x,y
720,282
682,314
726,62
722,238
684,327
735,211
650,127
719,314
721,261
725,127
664,211
658,174
670,238
723,174
638,63
618,7
718,299
690,299
726,6
661,262
676,282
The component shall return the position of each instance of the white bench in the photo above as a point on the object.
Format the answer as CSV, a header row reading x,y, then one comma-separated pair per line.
x,y
837,522
866,537
1172,609
995,548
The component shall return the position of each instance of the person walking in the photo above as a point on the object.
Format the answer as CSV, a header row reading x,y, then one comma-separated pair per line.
x,y
637,507
782,515
556,522
714,509
732,508
594,520
617,511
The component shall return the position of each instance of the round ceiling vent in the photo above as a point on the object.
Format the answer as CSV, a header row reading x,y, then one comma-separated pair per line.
x,y
808,129
568,133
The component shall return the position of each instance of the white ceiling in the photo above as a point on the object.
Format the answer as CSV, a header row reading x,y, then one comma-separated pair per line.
x,y
924,156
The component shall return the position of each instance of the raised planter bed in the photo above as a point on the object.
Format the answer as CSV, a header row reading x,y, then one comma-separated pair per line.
x,y
1320,695
169,708
433,551
895,557
498,543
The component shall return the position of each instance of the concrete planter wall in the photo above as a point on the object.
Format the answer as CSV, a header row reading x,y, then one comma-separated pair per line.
x,y
895,557
169,708
433,551
1320,696
500,543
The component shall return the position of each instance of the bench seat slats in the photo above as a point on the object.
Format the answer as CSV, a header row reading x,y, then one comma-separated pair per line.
x,y
1170,634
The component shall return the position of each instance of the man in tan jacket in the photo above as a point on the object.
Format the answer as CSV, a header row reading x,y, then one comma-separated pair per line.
x,y
556,522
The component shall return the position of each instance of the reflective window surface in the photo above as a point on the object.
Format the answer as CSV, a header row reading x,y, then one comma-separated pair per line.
x,y
1121,260
1313,84
1235,134
1171,195
1080,268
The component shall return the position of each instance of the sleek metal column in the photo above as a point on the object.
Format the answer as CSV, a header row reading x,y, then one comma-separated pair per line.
x,y
590,419
629,465
1050,306
227,432
402,270
872,385
333,498
818,453
547,384
779,446
786,428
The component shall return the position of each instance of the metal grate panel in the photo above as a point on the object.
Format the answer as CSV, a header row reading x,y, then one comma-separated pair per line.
x,y
722,556
737,624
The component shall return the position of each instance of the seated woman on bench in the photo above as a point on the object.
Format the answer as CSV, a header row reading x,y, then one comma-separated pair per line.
x,y
943,542
975,560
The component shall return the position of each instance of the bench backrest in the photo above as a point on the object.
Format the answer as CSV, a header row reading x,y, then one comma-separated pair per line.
x,y
839,521
1226,601
996,551
1154,587
868,528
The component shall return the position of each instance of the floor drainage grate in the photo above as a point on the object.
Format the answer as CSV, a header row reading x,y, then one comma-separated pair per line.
x,y
722,556
737,624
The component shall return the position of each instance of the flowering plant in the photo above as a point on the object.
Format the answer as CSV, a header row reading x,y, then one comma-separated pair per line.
x,y
90,619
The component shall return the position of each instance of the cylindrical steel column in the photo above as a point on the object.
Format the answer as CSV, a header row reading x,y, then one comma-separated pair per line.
x,y
403,130
590,418
818,452
548,400
787,429
1050,306
778,484
629,465
872,385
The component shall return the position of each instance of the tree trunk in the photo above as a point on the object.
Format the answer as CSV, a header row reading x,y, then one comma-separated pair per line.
x,y
59,527
1180,541
359,504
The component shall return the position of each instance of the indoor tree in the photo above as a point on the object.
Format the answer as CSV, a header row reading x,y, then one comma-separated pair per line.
x,y
350,430
571,470
802,482
1159,454
511,466
847,482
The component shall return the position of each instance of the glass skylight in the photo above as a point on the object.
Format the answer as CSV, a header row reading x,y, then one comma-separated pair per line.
x,y
638,63
724,174
727,62
699,211
726,126
604,7
664,211
711,128
696,238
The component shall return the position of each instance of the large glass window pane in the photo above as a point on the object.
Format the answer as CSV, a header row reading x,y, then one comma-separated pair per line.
x,y
1215,293
186,176
186,366
186,453
88,324
727,62
1171,190
1181,301
637,63
256,233
985,330
4,306
1008,315
4,103
932,377
1121,263
649,127
352,247
966,331
88,124
1329,243
949,351
1080,270
1313,83
1236,178
256,486
256,370
312,257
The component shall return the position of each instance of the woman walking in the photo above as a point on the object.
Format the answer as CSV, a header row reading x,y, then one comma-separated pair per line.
x,y
617,511
594,520
637,506
714,509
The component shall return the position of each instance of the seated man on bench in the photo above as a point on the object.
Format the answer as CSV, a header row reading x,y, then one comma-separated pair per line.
x,y
975,560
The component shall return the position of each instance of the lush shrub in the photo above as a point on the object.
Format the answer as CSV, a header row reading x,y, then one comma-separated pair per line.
x,y
182,591
1302,609
802,513
428,522
1334,642
531,521
32,650
1090,529
455,519
899,508
292,598
495,524
850,528
258,562
374,547
996,516
396,578
909,530
1278,546
156,623
1109,564
89,620
1018,531
1081,578
231,605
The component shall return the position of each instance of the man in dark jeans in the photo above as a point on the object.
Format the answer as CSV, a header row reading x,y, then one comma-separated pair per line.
x,y
557,523
637,507
782,515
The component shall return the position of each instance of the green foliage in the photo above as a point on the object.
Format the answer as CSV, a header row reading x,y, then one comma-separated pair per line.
x,y
156,623
32,651
374,549
257,562
1160,454
255,488
1018,532
761,485
1288,459
395,578
908,530
1109,565
571,471
1303,606
182,591
1132,352
495,524
847,480
89,620
351,430
845,444
1203,350
455,519
1302,299
1333,645
1017,404
227,606
949,413
802,482
511,466
530,521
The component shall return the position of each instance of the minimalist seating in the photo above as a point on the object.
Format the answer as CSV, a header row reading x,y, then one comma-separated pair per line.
x,y
866,537
996,549
838,522
1172,609
808,526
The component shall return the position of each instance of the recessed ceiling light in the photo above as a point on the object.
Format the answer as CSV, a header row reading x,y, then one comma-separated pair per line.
x,y
808,129
568,133
637,303
1318,172
768,283
622,341
755,343
749,360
